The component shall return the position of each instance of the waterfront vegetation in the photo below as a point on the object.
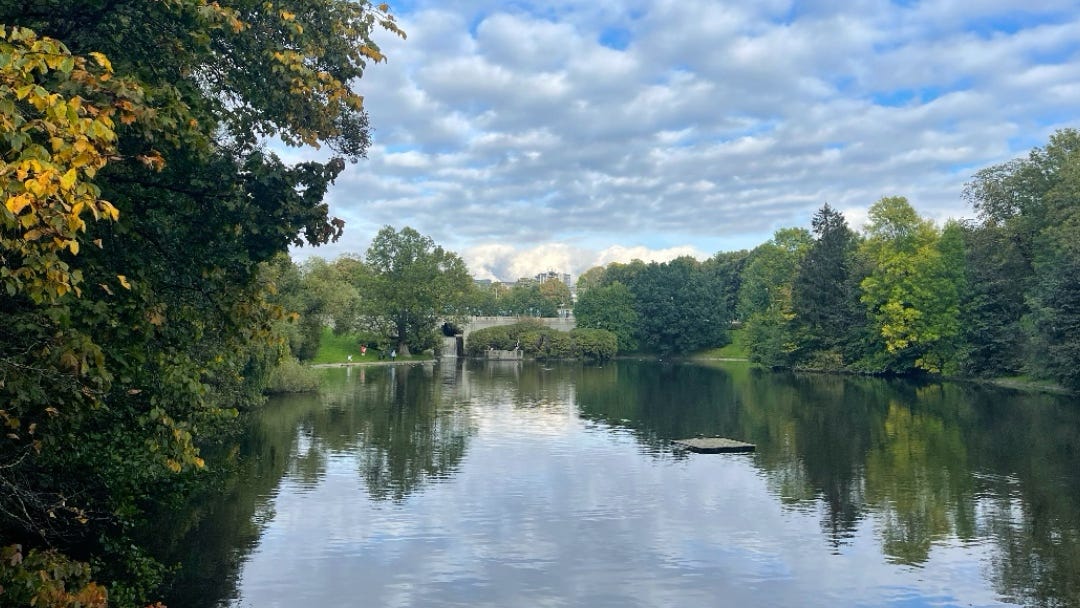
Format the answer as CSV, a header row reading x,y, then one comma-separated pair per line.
x,y
141,217
539,342
136,335
863,491
993,297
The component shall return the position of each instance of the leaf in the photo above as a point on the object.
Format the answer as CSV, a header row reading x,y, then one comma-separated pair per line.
x,y
123,281
102,60
16,204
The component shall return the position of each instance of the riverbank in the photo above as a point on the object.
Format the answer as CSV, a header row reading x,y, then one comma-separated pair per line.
x,y
374,361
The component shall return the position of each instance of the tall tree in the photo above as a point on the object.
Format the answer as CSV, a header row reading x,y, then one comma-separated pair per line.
x,y
911,293
676,307
765,296
556,293
994,303
825,298
592,277
611,307
414,284
724,271
139,206
1032,201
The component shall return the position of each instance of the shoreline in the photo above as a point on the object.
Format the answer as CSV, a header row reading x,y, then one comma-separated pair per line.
x,y
374,362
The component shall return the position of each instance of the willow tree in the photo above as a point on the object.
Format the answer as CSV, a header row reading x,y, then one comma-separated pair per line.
x,y
139,202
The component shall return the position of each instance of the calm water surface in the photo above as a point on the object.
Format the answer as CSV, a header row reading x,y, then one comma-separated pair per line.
x,y
518,484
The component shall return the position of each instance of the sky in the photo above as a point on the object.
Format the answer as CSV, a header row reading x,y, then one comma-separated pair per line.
x,y
561,135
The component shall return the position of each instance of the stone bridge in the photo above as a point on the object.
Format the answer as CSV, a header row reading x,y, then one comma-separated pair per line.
x,y
559,323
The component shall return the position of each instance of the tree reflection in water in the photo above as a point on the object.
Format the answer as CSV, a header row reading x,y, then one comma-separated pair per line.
x,y
917,465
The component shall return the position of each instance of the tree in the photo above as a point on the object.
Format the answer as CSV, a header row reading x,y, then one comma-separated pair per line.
x,y
611,307
592,277
911,293
556,293
1032,203
724,271
147,332
825,298
676,307
993,304
413,284
765,296
528,300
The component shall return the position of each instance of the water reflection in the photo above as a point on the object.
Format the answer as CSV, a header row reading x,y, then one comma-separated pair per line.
x,y
514,484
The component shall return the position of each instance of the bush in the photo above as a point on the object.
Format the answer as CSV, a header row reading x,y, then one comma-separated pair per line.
x,y
290,376
599,344
501,337
538,341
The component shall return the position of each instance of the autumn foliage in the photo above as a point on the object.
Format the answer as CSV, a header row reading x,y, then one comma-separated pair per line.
x,y
139,205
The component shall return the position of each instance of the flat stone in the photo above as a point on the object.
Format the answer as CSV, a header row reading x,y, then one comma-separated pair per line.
x,y
714,445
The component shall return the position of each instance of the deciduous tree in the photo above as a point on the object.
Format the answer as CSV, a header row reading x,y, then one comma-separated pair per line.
x,y
911,292
611,307
414,283
127,341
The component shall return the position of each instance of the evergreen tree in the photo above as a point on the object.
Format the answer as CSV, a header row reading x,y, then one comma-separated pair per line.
x,y
824,296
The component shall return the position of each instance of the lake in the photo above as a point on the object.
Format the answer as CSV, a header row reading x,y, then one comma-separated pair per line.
x,y
510,484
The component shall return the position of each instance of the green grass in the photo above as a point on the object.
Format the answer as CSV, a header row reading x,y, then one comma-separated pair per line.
x,y
336,349
735,350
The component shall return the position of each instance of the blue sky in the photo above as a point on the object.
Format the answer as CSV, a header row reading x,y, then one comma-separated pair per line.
x,y
529,136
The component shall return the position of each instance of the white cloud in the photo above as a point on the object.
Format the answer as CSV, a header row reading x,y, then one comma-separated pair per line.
x,y
525,126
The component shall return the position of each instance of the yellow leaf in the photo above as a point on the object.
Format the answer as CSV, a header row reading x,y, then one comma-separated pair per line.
x,y
102,60
109,210
68,179
123,281
16,204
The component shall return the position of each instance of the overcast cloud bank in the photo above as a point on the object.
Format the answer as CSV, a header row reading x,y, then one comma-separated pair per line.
x,y
558,136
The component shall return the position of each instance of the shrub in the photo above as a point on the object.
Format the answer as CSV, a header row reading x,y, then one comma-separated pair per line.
x,y
290,376
599,344
541,342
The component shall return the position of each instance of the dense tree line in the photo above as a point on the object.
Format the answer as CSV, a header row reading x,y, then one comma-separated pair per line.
x,y
994,296
140,213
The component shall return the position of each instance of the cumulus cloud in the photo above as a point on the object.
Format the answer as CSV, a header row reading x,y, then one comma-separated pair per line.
x,y
539,136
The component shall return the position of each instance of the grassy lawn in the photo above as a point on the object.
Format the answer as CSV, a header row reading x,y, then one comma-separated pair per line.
x,y
735,350
336,349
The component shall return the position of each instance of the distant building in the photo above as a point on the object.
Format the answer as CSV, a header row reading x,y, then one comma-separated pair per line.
x,y
551,275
